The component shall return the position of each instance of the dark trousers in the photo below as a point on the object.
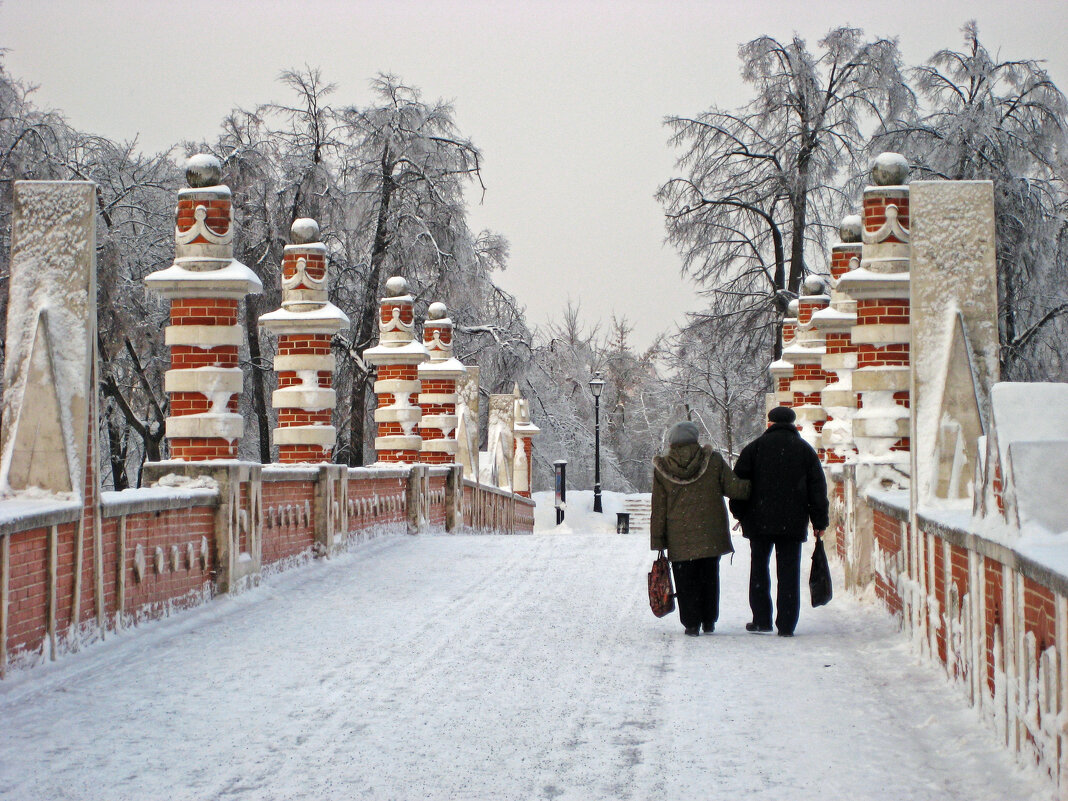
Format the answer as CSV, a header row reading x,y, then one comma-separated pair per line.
x,y
697,591
788,574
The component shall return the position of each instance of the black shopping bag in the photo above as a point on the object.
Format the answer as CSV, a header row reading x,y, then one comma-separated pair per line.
x,y
661,593
819,580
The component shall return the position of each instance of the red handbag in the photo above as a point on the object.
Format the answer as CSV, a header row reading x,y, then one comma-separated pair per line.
x,y
661,593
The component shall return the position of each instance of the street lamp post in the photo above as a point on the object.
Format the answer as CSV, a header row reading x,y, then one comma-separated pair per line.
x,y
596,386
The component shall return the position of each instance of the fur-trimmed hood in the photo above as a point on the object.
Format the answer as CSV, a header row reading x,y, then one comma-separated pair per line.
x,y
683,464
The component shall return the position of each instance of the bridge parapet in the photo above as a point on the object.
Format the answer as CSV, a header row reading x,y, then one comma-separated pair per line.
x,y
946,510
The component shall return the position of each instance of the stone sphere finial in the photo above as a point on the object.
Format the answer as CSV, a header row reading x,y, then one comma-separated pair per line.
x,y
396,286
202,170
304,231
851,228
791,309
814,285
437,311
890,169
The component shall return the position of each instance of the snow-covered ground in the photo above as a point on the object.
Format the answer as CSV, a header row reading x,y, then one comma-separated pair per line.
x,y
491,667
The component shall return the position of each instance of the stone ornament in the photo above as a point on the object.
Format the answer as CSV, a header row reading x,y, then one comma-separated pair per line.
x,y
47,404
139,563
524,432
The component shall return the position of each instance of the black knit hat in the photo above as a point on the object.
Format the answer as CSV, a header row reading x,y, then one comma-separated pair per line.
x,y
782,414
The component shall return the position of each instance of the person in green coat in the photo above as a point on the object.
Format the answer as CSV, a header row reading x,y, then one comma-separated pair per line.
x,y
689,521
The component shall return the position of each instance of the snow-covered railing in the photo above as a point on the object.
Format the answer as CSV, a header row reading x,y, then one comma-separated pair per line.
x,y
491,509
66,581
990,608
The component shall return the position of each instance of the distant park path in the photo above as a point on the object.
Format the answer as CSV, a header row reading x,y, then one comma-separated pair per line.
x,y
526,667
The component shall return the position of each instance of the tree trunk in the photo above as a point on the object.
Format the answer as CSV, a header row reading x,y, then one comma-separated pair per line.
x,y
797,243
117,454
259,377
369,313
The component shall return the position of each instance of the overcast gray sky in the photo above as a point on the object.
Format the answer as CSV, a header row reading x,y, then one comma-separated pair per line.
x,y
565,99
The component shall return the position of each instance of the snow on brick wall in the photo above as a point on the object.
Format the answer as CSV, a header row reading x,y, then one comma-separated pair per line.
x,y
994,619
169,555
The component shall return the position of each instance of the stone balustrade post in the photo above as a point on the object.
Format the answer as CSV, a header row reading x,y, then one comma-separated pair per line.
x,y
305,326
882,334
806,355
523,463
840,358
397,356
438,377
204,285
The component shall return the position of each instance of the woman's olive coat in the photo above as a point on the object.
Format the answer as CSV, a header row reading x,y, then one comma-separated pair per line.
x,y
689,518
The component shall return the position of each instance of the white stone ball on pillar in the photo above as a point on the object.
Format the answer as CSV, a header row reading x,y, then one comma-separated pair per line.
x,y
304,231
437,311
396,286
814,285
791,309
851,228
202,170
890,169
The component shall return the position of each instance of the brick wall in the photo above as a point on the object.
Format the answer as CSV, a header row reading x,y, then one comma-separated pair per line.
x,y
159,554
288,519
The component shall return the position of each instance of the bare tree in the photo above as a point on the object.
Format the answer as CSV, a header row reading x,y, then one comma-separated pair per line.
x,y
719,378
761,183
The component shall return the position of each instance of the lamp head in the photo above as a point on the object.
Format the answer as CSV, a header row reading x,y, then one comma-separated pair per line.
x,y
596,385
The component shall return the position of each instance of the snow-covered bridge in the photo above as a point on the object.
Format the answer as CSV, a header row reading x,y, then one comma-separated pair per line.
x,y
493,667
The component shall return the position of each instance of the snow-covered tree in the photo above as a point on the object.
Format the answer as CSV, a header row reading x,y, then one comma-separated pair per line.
x,y
762,183
1004,121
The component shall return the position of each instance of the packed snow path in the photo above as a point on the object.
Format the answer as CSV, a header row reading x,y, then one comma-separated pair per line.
x,y
494,668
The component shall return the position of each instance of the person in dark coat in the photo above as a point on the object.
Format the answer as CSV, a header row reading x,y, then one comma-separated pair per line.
x,y
789,492
690,522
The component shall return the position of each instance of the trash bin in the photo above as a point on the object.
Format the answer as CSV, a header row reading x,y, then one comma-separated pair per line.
x,y
622,522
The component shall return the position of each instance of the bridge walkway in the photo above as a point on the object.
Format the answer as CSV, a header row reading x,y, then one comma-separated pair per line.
x,y
524,667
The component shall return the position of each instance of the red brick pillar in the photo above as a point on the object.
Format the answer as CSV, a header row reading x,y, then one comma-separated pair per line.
x,y
880,287
204,286
840,355
305,326
398,357
782,370
806,356
438,378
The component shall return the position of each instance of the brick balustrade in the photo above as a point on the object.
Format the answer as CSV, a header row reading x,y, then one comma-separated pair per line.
x,y
993,618
160,551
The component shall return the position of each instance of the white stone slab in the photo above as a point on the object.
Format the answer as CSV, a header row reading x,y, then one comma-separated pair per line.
x,y
953,271
51,327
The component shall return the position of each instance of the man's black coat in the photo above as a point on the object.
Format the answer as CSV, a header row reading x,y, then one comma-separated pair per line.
x,y
789,488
